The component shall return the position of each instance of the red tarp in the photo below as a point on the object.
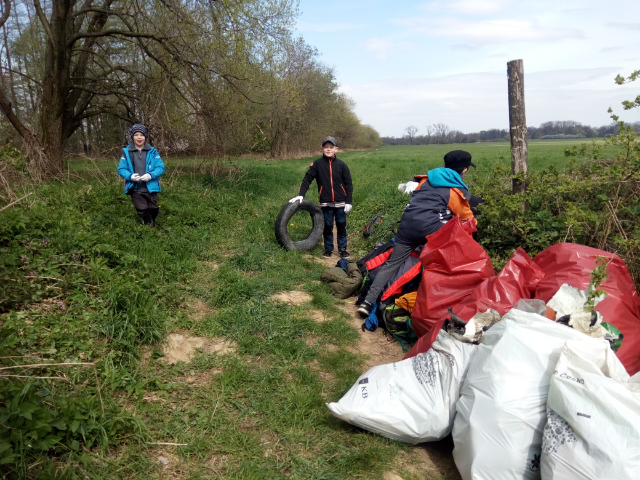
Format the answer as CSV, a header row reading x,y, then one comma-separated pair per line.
x,y
458,274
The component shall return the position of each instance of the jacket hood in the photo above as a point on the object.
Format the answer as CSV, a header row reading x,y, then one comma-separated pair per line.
x,y
445,177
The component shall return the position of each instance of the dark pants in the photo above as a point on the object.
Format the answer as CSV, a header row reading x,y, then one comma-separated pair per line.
x,y
146,204
341,224
400,253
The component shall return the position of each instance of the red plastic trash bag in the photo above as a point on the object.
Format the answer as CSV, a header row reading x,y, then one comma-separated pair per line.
x,y
572,264
518,279
454,264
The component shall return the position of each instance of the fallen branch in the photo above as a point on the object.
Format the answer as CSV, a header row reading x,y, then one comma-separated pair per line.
x,y
15,201
168,443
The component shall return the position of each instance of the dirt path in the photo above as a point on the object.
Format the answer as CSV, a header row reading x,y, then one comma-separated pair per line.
x,y
431,460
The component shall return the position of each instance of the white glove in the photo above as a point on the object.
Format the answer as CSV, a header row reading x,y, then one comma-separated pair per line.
x,y
296,199
347,207
135,177
408,187
145,178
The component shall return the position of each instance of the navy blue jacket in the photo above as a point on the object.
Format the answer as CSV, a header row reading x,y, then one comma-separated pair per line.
x,y
333,178
440,196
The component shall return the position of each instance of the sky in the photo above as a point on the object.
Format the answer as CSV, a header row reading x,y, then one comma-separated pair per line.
x,y
424,62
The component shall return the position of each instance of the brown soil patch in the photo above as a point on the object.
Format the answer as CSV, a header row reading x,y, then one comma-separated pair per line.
x,y
380,348
198,309
202,378
318,316
431,460
294,297
181,348
170,466
211,265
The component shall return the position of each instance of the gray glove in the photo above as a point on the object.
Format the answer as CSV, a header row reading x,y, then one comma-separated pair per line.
x,y
145,178
347,207
135,178
296,199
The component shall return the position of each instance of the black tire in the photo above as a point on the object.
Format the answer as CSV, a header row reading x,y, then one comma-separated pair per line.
x,y
283,221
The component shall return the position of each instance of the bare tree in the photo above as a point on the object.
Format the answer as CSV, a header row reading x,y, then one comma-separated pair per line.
x,y
429,134
411,132
441,133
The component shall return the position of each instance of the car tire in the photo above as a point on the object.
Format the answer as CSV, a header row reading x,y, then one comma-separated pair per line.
x,y
282,222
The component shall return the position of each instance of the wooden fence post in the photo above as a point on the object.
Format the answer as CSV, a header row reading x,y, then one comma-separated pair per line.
x,y
518,124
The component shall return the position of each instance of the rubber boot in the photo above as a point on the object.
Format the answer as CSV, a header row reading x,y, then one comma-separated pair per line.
x,y
152,213
142,214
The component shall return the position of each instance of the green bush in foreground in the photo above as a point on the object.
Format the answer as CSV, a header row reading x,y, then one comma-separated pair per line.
x,y
593,202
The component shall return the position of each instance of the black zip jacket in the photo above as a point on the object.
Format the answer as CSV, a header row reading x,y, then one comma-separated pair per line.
x,y
333,178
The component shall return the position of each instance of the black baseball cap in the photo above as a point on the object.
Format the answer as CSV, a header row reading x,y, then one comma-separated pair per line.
x,y
329,139
458,159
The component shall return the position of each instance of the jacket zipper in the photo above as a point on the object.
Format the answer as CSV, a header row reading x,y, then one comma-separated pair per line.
x,y
333,194
319,195
345,192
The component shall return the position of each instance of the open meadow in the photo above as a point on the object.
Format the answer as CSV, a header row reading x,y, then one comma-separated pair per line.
x,y
205,370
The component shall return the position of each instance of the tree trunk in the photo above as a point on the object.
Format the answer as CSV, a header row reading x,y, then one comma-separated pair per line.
x,y
518,125
56,84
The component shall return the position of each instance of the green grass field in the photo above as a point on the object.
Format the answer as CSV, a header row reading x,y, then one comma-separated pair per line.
x,y
257,413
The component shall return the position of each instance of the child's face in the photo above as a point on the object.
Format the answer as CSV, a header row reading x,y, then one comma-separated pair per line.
x,y
138,139
329,149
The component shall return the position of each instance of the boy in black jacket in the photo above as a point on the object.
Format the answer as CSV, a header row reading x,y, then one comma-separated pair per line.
x,y
335,193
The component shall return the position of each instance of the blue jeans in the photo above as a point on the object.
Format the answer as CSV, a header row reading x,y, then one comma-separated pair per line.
x,y
341,224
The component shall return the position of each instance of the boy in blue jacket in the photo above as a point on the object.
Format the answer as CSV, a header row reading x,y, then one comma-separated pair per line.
x,y
141,167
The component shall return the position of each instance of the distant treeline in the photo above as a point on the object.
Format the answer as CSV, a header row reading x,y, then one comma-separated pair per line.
x,y
440,133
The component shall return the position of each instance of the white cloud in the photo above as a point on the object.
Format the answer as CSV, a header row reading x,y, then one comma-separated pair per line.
x,y
383,46
478,101
478,7
488,31
625,26
610,49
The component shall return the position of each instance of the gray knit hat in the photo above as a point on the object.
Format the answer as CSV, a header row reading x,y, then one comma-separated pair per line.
x,y
139,128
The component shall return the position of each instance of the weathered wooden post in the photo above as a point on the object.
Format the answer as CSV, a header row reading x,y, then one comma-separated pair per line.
x,y
518,125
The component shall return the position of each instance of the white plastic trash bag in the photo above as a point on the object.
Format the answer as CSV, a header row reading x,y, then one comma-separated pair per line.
x,y
593,409
502,408
412,401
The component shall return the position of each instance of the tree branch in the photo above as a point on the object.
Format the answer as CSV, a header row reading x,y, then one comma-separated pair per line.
x,y
6,13
113,32
44,21
37,82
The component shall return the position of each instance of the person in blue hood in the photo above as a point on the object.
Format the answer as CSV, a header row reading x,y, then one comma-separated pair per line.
x,y
141,167
439,196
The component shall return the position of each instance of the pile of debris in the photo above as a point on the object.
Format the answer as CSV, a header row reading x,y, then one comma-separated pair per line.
x,y
529,369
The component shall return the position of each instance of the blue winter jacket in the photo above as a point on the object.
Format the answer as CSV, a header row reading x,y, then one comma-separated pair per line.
x,y
154,167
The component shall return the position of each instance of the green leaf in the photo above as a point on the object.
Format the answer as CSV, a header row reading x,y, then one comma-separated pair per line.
x,y
74,426
26,409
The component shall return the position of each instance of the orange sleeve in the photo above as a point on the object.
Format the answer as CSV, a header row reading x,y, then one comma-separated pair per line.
x,y
458,205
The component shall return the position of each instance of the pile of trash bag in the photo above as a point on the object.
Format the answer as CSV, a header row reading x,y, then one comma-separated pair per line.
x,y
534,399
533,374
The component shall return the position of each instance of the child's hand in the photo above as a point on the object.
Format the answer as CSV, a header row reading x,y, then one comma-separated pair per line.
x,y
347,207
145,178
296,199
135,177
